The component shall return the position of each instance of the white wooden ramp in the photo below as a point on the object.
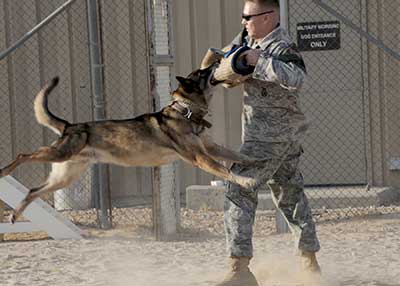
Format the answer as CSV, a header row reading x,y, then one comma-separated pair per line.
x,y
41,216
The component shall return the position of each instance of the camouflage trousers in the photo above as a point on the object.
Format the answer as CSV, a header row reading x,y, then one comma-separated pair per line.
x,y
287,193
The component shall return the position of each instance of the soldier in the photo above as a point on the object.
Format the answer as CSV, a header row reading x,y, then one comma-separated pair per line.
x,y
271,117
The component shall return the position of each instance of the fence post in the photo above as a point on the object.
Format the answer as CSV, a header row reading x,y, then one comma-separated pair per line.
x,y
280,221
96,73
165,197
156,171
284,14
2,207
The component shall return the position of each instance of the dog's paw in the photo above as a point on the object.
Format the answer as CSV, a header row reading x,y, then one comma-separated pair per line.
x,y
12,218
253,184
247,183
258,184
4,172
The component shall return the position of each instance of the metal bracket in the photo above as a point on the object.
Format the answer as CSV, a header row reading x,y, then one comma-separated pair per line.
x,y
188,113
35,29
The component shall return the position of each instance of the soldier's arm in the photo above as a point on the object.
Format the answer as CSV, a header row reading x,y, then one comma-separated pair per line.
x,y
285,67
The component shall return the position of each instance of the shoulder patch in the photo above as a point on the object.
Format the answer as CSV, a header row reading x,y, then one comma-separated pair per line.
x,y
291,54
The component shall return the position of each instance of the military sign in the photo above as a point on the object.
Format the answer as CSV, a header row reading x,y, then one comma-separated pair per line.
x,y
318,36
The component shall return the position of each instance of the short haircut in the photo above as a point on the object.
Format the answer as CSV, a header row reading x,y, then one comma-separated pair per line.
x,y
271,3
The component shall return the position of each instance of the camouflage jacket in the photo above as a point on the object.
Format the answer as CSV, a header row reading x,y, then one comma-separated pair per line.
x,y
271,111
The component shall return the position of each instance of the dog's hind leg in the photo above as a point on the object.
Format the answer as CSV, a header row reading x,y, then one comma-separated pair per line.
x,y
62,150
62,175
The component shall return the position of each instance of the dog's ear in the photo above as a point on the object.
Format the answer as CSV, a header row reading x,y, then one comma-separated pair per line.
x,y
183,81
188,84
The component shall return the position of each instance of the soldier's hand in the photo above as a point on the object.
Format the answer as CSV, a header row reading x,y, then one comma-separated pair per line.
x,y
252,56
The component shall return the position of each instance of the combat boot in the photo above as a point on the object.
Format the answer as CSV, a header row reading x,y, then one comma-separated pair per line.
x,y
240,274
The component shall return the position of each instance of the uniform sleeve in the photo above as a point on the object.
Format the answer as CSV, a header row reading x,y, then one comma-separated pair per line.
x,y
285,67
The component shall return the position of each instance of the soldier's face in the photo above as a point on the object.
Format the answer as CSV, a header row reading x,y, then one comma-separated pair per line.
x,y
259,26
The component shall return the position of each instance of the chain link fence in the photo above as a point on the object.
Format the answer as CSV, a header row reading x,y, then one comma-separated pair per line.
x,y
351,49
352,53
62,47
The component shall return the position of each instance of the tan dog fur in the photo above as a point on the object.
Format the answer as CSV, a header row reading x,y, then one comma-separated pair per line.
x,y
147,140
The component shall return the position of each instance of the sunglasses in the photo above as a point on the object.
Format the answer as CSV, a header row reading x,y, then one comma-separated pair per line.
x,y
248,17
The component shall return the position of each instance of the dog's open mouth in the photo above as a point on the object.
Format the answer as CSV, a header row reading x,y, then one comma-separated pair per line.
x,y
212,80
215,82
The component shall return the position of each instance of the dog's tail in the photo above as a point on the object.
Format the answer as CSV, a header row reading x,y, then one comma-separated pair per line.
x,y
42,112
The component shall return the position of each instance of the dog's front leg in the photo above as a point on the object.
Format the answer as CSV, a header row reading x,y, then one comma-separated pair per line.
x,y
224,154
208,164
191,149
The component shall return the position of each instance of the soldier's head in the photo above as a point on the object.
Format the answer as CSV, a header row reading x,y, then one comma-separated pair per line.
x,y
260,17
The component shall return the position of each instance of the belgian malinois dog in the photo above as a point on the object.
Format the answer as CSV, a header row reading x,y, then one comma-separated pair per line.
x,y
154,139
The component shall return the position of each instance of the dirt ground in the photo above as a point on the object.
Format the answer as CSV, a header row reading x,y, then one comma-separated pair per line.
x,y
363,252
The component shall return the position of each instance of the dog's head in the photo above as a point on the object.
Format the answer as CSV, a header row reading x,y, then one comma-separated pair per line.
x,y
197,86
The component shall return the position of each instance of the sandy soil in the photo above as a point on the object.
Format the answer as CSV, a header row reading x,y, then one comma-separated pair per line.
x,y
364,252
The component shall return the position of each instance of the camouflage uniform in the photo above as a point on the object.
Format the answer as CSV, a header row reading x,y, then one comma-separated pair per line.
x,y
270,118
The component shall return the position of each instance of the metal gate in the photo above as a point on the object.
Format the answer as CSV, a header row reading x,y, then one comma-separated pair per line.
x,y
352,53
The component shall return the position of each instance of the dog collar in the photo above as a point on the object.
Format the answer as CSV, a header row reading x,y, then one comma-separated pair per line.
x,y
184,109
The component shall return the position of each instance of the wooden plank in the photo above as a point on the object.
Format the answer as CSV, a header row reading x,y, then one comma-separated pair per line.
x,y
18,227
39,213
